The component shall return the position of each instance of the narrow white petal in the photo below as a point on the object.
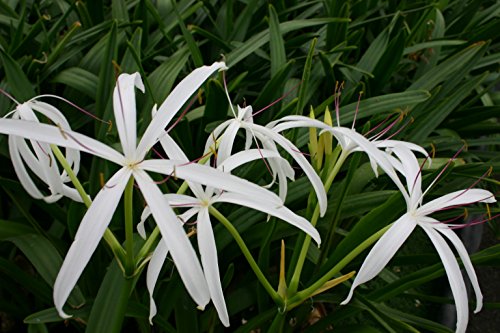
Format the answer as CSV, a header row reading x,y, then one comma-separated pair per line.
x,y
154,269
375,154
458,198
208,176
89,233
125,111
172,149
227,141
20,169
411,171
408,145
301,161
215,135
243,157
280,212
208,251
454,277
382,252
295,122
55,135
177,98
464,256
181,250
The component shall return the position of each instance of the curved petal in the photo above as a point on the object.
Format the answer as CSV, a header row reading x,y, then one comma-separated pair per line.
x,y
280,212
227,141
154,269
455,199
89,233
20,169
215,135
175,100
64,138
382,252
408,145
411,171
301,161
372,151
464,256
208,251
454,277
211,177
125,111
243,157
174,235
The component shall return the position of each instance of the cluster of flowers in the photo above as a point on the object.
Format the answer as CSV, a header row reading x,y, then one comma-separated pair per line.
x,y
210,184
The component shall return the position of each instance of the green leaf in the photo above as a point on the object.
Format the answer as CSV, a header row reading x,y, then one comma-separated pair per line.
x,y
260,39
445,70
10,229
46,260
19,85
51,315
79,79
276,43
110,304
304,86
423,126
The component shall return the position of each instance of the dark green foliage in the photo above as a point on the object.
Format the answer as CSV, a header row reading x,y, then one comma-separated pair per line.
x,y
434,63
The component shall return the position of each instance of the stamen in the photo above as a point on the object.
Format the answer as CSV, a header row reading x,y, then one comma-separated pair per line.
x,y
380,124
442,171
486,174
470,224
227,93
109,122
278,100
186,109
387,129
461,216
9,96
357,109
158,153
302,153
62,131
337,93
401,128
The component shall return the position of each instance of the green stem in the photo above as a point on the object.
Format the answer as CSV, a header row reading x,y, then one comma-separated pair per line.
x,y
294,282
129,227
109,237
262,278
299,297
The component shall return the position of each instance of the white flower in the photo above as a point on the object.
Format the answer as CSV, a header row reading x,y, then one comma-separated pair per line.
x,y
38,157
199,205
418,215
269,139
133,163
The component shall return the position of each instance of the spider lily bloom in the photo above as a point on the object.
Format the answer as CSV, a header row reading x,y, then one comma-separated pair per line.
x,y
38,157
133,163
350,140
418,215
199,205
269,140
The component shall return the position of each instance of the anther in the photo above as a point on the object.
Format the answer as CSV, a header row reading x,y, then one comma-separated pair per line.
x,y
62,131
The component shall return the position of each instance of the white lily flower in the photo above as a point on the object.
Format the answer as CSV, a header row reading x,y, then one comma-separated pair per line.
x,y
133,163
418,215
38,156
269,139
199,205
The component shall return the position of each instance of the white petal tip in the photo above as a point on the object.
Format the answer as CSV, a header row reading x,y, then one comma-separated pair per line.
x,y
201,307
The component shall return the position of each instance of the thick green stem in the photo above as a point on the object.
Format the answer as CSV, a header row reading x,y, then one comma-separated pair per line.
x,y
108,236
299,297
129,227
294,282
246,252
